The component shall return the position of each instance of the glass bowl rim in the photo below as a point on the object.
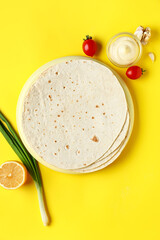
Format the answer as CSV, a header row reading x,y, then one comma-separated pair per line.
x,y
130,35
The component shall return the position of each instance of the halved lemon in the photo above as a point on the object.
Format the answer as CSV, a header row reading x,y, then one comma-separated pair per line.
x,y
12,174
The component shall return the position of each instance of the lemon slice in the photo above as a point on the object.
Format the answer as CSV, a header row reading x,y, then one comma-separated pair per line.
x,y
12,175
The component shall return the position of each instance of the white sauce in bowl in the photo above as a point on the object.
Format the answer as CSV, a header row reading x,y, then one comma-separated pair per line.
x,y
124,50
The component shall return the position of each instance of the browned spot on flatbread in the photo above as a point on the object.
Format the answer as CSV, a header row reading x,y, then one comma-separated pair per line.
x,y
95,139
50,97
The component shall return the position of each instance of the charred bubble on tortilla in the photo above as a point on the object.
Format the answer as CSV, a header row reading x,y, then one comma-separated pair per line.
x,y
50,97
78,152
67,146
95,139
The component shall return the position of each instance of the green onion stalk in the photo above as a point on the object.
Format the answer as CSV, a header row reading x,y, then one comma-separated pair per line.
x,y
28,160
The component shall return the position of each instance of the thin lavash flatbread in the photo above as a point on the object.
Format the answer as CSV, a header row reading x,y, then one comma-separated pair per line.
x,y
73,113
115,148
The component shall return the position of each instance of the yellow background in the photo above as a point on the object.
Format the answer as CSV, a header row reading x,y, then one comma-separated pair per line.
x,y
121,201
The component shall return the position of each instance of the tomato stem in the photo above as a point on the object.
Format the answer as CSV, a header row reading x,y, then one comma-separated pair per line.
x,y
87,38
143,70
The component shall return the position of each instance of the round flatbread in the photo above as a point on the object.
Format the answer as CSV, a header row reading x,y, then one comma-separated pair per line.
x,y
72,113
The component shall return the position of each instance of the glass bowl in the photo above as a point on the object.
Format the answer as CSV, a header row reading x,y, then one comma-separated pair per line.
x,y
114,38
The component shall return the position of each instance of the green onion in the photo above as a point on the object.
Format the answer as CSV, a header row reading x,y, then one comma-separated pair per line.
x,y
28,160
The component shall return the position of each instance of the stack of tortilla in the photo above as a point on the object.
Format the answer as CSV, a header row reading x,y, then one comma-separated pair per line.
x,y
75,115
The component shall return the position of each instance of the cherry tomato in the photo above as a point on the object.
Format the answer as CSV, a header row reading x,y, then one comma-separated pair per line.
x,y
89,46
134,72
